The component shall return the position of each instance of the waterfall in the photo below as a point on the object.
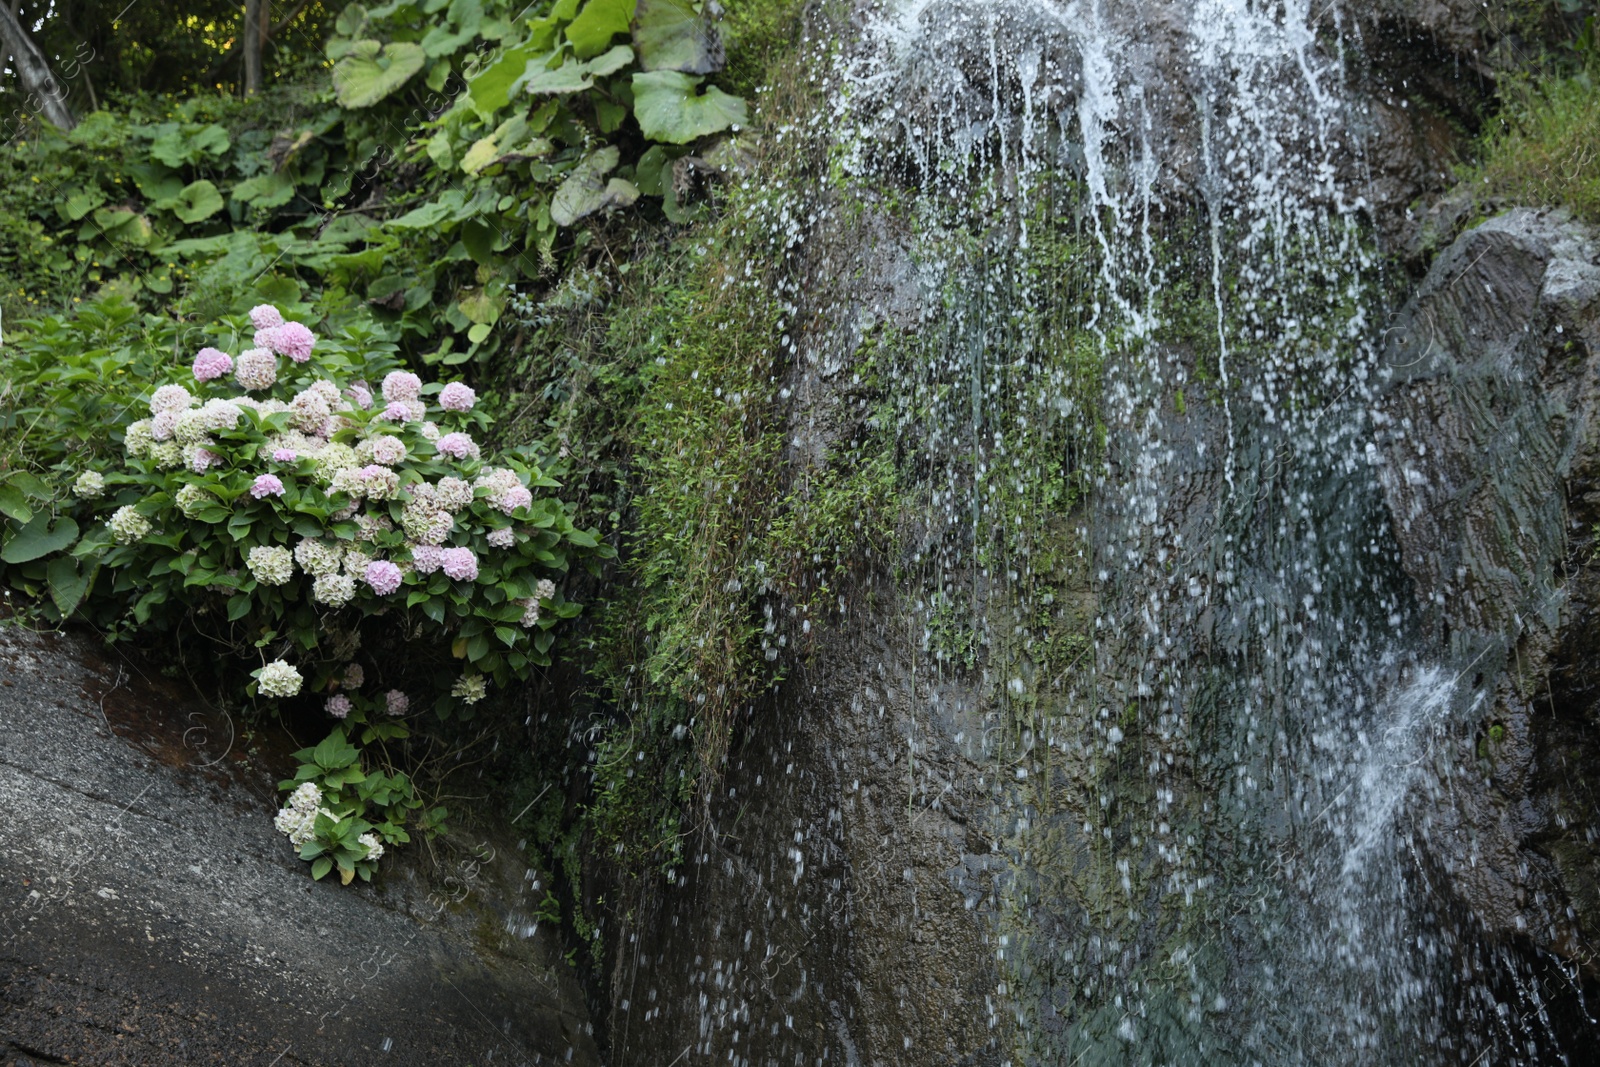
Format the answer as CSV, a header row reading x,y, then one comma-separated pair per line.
x,y
1141,416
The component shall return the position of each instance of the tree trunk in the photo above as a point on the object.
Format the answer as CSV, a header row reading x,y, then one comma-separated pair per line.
x,y
255,40
45,94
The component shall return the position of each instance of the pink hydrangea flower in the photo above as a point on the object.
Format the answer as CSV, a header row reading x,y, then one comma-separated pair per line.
x,y
458,445
338,705
397,702
360,394
509,500
211,363
265,317
459,563
285,455
291,339
401,385
266,485
396,412
383,576
425,559
203,459
163,425
171,398
457,397
502,538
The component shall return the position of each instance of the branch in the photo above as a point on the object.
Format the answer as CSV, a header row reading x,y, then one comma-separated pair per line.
x,y
238,41
34,71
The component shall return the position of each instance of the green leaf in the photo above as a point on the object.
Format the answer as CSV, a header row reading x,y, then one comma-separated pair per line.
x,y
373,71
571,77
597,23
13,504
506,634
669,110
273,189
238,607
478,239
334,752
80,204
484,151
611,62
68,583
198,200
586,191
321,867
671,35
490,90
38,538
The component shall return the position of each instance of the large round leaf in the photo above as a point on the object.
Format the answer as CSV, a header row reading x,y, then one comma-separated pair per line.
x,y
597,23
198,200
586,190
373,71
669,109
672,35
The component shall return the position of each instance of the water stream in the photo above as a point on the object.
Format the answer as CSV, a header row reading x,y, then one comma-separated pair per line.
x,y
1142,420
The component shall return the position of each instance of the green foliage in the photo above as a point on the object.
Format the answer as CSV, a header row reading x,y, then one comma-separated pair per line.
x,y
353,802
1544,147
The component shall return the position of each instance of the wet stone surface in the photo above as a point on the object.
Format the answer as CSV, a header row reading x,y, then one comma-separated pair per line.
x,y
150,913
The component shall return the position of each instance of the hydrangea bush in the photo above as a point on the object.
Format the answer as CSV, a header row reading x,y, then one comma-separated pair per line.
x,y
298,498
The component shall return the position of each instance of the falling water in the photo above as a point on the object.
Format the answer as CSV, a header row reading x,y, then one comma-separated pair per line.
x,y
1142,419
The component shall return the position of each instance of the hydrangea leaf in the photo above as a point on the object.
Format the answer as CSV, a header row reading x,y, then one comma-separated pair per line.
x,y
672,35
669,109
373,71
597,23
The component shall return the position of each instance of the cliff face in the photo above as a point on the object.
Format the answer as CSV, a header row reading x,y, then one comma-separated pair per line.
x,y
1492,458
152,915
905,869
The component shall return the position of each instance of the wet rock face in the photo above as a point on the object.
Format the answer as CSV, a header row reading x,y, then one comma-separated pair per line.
x,y
150,913
1492,459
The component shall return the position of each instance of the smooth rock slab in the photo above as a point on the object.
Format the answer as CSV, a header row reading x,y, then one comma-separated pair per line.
x,y
150,913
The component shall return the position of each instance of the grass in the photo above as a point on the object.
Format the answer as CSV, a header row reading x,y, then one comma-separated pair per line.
x,y
1545,149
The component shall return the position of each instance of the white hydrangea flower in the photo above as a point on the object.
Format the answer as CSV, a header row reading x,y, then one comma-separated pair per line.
x,y
355,562
502,538
168,455
530,612
278,679
334,590
171,398
385,449
308,795
298,823
368,527
332,458
89,485
470,688
373,845
309,412
453,494
317,557
190,499
128,526
192,428
138,439
256,369
348,480
545,590
219,414
270,564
